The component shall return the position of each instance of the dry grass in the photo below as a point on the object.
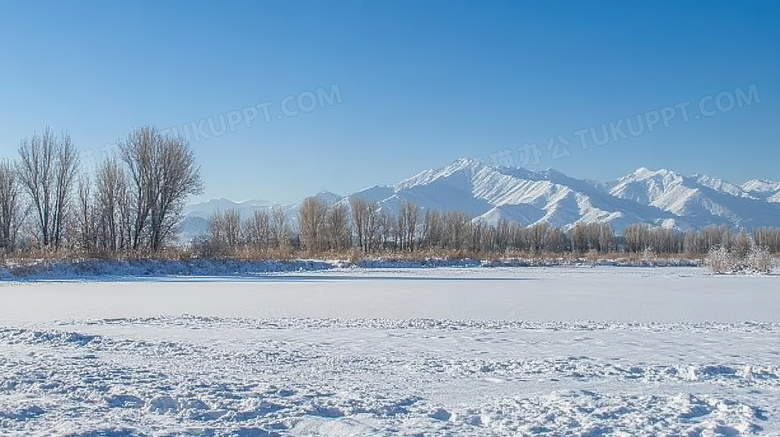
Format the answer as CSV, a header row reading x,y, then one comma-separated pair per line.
x,y
35,259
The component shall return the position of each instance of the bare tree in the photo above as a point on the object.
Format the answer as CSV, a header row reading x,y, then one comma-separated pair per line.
x,y
178,177
163,173
9,206
538,235
411,212
433,229
85,219
338,235
311,223
368,223
377,226
767,237
456,225
399,231
137,153
47,168
384,227
742,244
280,229
257,230
579,238
112,205
359,218
407,225
224,231
504,233
606,237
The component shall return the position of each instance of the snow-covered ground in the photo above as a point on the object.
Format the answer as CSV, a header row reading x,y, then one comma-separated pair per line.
x,y
443,351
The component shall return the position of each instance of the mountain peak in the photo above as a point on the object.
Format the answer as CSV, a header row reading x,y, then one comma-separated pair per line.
x,y
644,172
328,197
761,185
495,193
549,171
467,163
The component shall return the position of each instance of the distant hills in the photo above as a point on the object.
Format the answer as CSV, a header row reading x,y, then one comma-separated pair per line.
x,y
656,197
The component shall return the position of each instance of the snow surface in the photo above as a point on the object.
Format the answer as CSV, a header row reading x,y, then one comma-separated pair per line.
x,y
441,351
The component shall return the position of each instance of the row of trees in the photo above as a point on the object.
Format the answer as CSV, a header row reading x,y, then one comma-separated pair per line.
x,y
132,202
363,225
639,238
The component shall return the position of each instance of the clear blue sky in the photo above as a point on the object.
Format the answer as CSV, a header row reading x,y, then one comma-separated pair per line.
x,y
421,84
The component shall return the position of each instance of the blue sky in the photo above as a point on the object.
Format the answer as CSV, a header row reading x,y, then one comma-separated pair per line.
x,y
421,84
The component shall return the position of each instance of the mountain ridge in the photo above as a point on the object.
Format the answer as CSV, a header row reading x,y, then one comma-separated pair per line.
x,y
659,197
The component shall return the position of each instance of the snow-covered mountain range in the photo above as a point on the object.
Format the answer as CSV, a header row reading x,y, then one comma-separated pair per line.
x,y
657,197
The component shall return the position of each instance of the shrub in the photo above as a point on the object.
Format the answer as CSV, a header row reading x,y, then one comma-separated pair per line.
x,y
759,260
592,256
721,261
756,260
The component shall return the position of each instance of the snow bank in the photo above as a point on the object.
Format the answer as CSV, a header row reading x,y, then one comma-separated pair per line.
x,y
139,268
93,268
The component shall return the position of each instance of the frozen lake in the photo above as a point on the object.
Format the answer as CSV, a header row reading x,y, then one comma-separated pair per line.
x,y
538,294
476,351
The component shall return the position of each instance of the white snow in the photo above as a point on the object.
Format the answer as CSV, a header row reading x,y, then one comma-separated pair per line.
x,y
761,186
442,351
528,197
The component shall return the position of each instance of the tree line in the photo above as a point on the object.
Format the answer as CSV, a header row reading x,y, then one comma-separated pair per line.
x,y
132,202
365,226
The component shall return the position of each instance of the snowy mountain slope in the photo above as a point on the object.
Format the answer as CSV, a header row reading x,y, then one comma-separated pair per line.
x,y
195,221
761,186
518,195
697,200
763,189
661,197
192,226
205,209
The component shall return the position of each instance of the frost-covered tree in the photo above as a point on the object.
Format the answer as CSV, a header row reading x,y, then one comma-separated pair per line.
x,y
742,244
759,260
720,260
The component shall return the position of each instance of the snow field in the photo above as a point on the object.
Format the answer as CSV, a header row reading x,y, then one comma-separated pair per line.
x,y
74,364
